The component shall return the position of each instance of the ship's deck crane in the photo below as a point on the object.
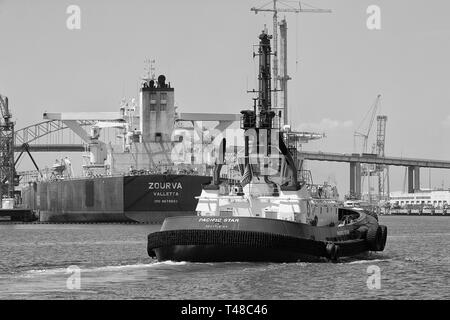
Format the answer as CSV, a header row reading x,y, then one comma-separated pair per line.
x,y
6,150
276,9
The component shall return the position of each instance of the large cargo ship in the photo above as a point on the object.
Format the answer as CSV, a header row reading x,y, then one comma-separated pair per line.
x,y
143,198
152,174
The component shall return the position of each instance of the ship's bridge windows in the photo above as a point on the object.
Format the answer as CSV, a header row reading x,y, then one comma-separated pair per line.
x,y
153,97
163,97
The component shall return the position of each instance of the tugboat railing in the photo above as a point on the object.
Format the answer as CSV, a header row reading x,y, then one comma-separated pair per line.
x,y
223,197
282,198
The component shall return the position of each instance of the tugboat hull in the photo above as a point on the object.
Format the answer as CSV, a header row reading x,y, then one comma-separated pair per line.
x,y
220,239
232,245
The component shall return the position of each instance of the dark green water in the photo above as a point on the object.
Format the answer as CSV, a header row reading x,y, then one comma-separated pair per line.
x,y
114,264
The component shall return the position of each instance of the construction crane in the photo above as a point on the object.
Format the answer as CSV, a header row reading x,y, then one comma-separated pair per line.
x,y
7,171
286,9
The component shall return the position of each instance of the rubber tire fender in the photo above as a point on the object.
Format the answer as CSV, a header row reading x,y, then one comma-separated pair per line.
x,y
383,237
372,214
332,251
374,238
362,232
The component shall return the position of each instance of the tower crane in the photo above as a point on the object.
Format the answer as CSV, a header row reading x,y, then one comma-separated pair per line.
x,y
7,171
286,9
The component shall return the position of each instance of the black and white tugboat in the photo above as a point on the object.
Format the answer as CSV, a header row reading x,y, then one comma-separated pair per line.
x,y
274,213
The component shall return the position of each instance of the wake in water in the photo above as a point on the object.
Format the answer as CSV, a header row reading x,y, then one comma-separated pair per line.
x,y
366,258
369,261
113,268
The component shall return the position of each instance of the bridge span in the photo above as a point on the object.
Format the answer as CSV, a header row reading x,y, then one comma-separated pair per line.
x,y
355,160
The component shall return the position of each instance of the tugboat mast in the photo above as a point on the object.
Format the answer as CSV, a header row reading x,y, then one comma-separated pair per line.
x,y
262,115
276,77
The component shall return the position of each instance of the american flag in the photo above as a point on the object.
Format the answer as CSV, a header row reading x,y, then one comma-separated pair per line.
x,y
247,177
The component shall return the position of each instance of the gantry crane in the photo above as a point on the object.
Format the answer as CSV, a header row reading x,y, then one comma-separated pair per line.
x,y
276,9
380,171
362,132
7,171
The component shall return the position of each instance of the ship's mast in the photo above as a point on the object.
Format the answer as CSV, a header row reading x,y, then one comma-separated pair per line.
x,y
149,70
275,76
261,117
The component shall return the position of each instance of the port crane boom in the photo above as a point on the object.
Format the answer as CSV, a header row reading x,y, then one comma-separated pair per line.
x,y
7,171
365,135
381,171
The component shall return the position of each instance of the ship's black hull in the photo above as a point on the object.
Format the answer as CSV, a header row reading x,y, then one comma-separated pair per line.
x,y
140,198
254,240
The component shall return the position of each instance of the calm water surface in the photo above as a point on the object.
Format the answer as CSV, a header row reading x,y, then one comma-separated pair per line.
x,y
114,265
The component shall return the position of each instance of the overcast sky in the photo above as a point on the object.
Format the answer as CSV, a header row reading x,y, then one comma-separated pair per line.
x,y
204,47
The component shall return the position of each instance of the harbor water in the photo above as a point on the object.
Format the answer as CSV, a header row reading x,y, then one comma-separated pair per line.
x,y
110,261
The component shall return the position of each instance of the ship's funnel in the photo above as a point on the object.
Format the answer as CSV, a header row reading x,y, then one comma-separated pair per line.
x,y
161,81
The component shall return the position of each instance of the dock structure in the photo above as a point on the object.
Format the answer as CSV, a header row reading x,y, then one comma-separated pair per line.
x,y
355,160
